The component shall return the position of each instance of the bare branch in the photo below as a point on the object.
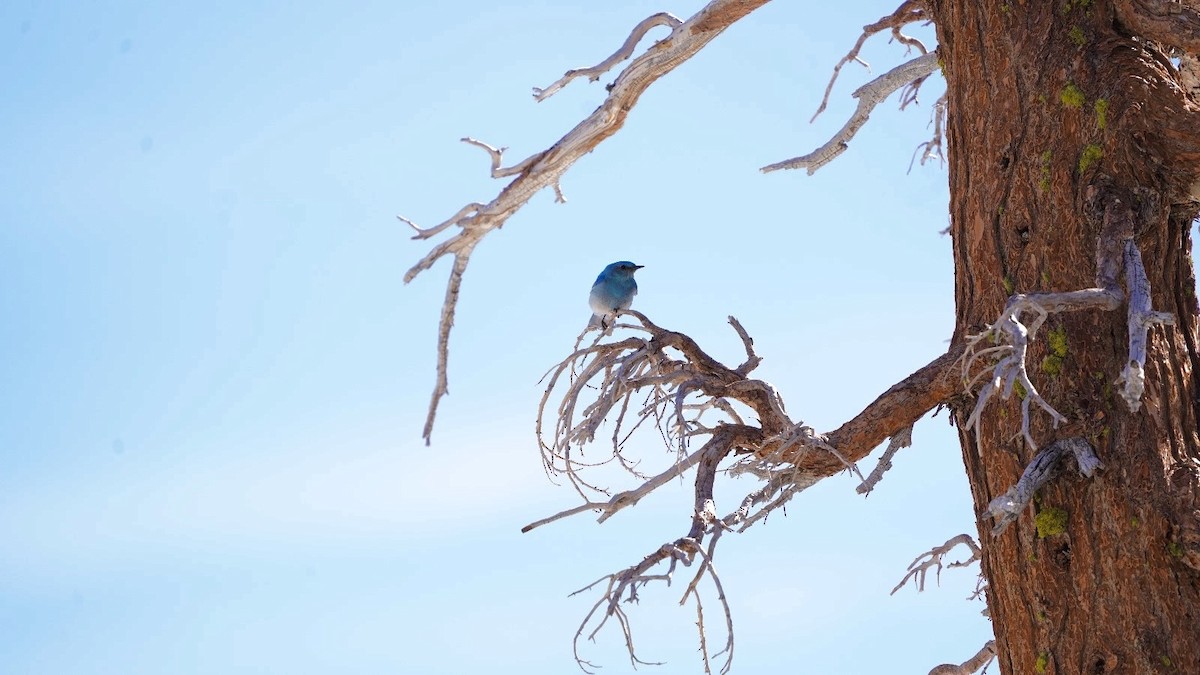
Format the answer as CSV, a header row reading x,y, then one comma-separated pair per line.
x,y
471,208
497,155
893,411
1010,370
903,439
908,12
972,665
869,95
441,386
671,382
1008,506
1141,320
933,559
546,168
623,52
932,149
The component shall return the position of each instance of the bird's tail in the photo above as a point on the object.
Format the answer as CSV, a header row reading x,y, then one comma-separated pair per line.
x,y
596,321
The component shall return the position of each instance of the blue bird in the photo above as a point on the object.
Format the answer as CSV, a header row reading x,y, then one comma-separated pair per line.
x,y
614,290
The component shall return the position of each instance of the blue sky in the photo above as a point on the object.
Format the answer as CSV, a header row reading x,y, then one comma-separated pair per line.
x,y
216,378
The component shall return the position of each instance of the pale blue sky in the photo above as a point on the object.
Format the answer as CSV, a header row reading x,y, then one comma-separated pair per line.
x,y
210,453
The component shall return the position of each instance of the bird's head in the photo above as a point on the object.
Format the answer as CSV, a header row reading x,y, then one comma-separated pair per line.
x,y
623,268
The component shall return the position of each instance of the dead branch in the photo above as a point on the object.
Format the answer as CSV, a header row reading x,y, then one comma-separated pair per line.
x,y
932,149
933,559
1141,320
1115,250
1008,506
910,11
869,95
1013,337
898,441
623,52
545,168
981,660
662,378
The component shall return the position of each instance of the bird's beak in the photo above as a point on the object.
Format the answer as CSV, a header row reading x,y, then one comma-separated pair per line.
x,y
638,267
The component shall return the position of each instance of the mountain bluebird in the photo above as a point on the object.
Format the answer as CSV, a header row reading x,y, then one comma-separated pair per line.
x,y
614,290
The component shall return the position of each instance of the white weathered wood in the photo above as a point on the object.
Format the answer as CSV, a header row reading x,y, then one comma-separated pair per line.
x,y
545,169
1008,506
1141,320
869,95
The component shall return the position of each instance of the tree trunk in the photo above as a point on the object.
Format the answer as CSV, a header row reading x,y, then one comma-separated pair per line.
x,y
1054,113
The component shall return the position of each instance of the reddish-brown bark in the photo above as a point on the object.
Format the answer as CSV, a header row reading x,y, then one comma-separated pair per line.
x,y
1051,102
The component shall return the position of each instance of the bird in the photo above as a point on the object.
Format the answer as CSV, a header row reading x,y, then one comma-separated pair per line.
x,y
613,291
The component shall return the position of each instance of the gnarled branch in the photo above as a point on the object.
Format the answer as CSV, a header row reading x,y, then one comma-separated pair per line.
x,y
663,379
623,52
933,559
869,95
545,169
1008,506
908,12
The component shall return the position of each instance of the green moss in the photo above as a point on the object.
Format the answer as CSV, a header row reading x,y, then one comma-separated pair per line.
x,y
1045,277
1091,154
1041,98
1134,521
1071,96
1009,286
1043,660
1020,390
1057,338
1041,617
1050,521
1076,36
1101,108
1166,661
1000,209
1175,549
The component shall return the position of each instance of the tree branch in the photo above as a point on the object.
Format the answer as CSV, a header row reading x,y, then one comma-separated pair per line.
x,y
869,95
1172,22
623,52
545,169
908,12
1141,320
933,559
676,386
981,659
903,439
1014,337
1008,506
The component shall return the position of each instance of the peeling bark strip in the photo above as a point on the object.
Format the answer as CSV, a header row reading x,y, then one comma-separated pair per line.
x,y
545,169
